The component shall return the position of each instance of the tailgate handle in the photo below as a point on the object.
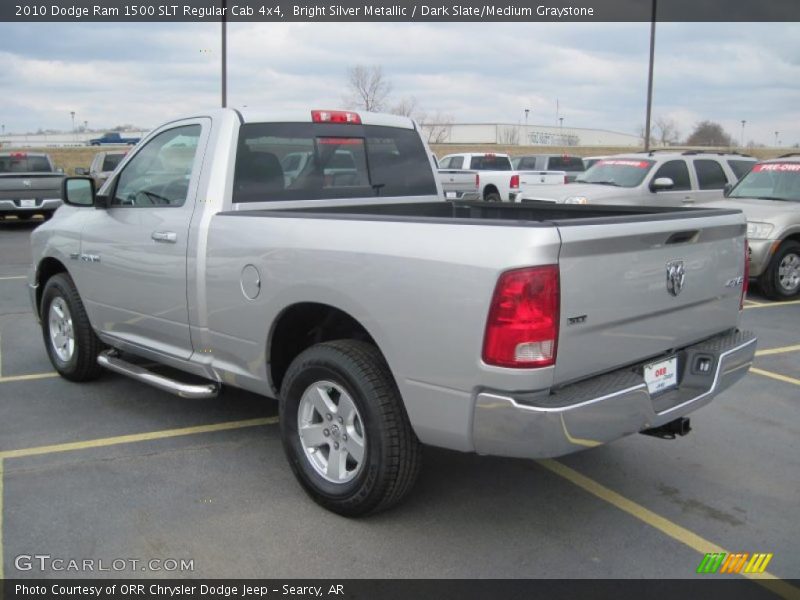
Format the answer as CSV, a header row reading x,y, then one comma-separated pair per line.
x,y
682,237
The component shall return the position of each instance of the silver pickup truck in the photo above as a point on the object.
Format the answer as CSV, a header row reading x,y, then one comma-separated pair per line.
x,y
381,316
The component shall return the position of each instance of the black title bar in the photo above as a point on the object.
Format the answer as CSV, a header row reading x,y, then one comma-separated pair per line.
x,y
398,10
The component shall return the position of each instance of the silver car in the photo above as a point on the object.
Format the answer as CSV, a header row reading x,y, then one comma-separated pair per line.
x,y
769,196
653,178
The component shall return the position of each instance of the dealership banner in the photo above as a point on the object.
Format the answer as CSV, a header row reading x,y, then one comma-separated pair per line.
x,y
399,10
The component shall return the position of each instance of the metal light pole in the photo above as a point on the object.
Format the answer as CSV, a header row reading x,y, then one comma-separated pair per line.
x,y
224,53
741,141
561,122
72,114
650,78
776,139
527,110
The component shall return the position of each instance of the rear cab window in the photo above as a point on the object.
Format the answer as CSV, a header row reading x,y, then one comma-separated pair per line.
x,y
490,162
565,163
341,161
24,163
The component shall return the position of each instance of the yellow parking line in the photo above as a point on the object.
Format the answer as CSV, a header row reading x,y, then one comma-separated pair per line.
x,y
2,555
673,530
778,376
13,277
754,303
768,351
136,437
31,377
773,304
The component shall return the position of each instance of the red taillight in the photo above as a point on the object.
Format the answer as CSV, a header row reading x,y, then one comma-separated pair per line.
x,y
565,179
19,155
515,182
522,327
746,282
477,180
335,116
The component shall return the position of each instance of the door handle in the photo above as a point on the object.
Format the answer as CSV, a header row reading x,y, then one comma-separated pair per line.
x,y
168,237
688,200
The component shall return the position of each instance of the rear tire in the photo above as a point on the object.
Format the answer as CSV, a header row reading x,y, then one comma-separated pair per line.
x,y
342,394
71,343
493,197
781,279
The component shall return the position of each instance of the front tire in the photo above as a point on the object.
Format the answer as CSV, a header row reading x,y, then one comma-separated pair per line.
x,y
781,280
345,430
71,343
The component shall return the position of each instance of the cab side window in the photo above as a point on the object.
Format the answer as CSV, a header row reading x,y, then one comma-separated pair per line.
x,y
710,175
159,174
678,172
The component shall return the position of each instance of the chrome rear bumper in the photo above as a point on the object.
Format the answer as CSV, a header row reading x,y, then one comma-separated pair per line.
x,y
607,407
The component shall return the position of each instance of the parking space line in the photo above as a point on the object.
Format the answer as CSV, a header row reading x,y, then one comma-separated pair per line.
x,y
664,525
772,304
136,437
31,377
2,554
778,376
754,303
769,351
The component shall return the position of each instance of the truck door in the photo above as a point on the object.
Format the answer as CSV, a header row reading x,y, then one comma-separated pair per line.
x,y
133,254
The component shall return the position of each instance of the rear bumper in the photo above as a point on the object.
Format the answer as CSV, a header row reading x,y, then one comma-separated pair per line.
x,y
10,207
607,407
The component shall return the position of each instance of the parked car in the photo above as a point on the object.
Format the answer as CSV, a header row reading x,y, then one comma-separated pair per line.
x,y
113,138
103,164
381,315
769,196
29,185
572,165
651,178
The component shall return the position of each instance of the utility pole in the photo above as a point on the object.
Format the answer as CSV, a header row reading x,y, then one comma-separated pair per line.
x,y
650,78
224,53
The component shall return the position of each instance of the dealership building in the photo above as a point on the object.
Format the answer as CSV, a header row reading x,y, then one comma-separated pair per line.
x,y
509,134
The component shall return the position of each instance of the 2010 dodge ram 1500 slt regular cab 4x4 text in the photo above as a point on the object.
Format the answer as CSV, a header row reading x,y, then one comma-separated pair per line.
x,y
380,315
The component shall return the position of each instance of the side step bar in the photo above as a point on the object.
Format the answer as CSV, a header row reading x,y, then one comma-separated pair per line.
x,y
110,360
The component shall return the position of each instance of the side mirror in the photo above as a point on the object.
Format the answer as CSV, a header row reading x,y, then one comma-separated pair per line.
x,y
78,191
662,183
726,191
81,171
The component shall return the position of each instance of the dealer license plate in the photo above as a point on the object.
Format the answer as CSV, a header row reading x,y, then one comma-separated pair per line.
x,y
662,375
27,203
451,195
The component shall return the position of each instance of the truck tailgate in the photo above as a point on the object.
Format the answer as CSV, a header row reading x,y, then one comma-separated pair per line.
x,y
30,185
617,304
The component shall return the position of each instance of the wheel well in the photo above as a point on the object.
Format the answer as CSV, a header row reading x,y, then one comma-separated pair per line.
x,y
490,189
795,237
47,268
303,325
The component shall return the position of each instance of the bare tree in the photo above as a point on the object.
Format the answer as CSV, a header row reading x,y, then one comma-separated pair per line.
x,y
509,136
668,133
368,89
406,107
438,126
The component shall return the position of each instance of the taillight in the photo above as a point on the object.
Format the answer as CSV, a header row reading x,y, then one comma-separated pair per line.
x,y
335,116
565,179
19,155
522,327
746,282
515,182
477,180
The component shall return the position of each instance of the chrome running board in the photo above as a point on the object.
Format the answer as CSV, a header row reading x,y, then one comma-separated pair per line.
x,y
110,360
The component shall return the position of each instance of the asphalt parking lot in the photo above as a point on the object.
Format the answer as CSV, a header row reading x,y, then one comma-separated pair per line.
x,y
116,470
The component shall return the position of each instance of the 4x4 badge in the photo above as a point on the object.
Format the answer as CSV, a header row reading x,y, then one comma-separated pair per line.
x,y
676,273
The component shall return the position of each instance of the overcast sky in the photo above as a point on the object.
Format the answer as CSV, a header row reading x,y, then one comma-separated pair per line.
x,y
114,73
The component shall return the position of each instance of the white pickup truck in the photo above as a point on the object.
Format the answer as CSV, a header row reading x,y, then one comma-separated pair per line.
x,y
381,316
